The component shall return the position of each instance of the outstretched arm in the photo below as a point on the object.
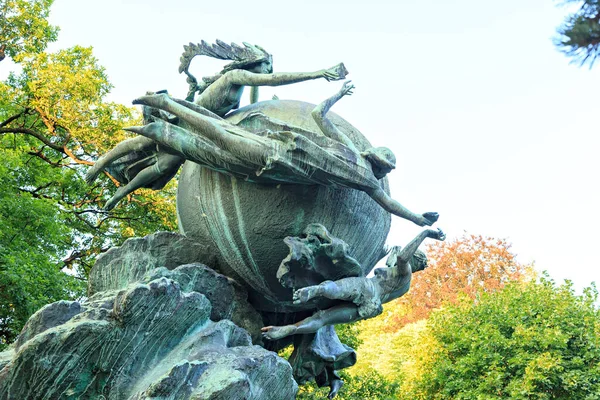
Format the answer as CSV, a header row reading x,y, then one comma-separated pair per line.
x,y
392,206
247,78
409,251
319,114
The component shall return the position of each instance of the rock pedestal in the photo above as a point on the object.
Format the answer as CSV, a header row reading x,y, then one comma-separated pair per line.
x,y
161,330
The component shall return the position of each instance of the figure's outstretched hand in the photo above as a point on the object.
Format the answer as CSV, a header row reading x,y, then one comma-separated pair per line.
x,y
335,73
430,218
437,234
347,89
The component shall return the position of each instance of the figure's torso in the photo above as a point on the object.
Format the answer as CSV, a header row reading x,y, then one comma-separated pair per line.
x,y
220,97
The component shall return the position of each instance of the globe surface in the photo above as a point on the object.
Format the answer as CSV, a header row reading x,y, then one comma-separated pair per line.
x,y
246,222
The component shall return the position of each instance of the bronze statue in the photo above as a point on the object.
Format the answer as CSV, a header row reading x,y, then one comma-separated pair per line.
x,y
361,297
262,173
141,162
284,155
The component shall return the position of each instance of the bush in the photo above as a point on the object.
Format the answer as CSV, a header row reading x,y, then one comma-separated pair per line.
x,y
535,340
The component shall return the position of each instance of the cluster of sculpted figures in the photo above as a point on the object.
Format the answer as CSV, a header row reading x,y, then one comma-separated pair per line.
x,y
194,129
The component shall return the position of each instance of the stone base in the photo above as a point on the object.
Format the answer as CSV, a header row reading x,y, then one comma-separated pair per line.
x,y
157,337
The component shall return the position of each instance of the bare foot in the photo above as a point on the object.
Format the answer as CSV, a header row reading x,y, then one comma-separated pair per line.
x,y
277,332
335,386
92,174
158,100
113,201
305,294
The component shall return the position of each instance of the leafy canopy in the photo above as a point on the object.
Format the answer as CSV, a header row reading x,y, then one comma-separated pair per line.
x,y
54,121
534,340
24,27
457,268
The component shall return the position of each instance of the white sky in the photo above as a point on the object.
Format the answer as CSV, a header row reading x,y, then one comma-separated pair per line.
x,y
491,125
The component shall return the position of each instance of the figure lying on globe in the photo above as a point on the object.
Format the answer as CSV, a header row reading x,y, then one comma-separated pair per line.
x,y
283,155
361,297
142,163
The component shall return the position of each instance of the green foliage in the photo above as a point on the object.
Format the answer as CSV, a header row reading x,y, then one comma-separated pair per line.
x,y
30,240
535,340
54,121
579,35
349,334
24,27
367,385
383,348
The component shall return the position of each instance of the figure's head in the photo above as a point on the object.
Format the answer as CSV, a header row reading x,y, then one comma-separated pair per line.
x,y
393,254
418,262
382,160
263,67
249,57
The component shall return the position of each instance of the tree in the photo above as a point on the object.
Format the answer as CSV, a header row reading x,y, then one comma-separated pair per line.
x,y
54,121
529,340
24,27
461,267
579,35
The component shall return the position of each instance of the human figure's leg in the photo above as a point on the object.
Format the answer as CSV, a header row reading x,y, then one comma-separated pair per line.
x,y
139,143
335,386
341,314
206,125
164,165
215,130
319,114
344,289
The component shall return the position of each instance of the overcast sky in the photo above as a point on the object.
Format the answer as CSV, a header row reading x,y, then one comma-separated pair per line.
x,y
491,125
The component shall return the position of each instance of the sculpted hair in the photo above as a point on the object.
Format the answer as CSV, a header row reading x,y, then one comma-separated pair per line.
x,y
241,57
418,262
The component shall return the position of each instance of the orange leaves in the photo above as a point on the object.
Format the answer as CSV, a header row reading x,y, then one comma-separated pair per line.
x,y
460,268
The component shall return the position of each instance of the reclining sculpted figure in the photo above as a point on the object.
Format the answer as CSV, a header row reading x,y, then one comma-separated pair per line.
x,y
361,297
282,155
141,162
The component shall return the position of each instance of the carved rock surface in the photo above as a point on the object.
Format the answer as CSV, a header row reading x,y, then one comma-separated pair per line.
x,y
229,300
120,266
245,223
149,340
174,256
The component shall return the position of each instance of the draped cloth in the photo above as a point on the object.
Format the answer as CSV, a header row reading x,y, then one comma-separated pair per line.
x,y
318,355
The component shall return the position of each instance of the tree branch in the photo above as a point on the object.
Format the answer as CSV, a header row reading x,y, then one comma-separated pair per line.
x,y
36,135
77,160
39,154
14,117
